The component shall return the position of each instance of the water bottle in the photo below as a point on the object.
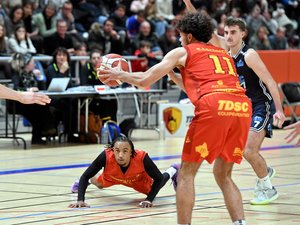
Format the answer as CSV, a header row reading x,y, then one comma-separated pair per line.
x,y
162,130
60,128
104,135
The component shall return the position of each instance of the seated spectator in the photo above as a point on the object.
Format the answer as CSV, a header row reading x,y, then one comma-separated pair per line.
x,y
65,108
164,14
27,79
119,18
279,40
32,31
66,14
149,58
4,66
260,40
106,109
78,65
60,38
20,42
145,34
45,21
133,23
105,39
169,40
14,20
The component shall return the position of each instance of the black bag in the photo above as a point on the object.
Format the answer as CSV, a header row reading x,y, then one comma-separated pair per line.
x,y
127,125
291,91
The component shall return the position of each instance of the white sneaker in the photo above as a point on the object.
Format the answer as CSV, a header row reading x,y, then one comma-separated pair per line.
x,y
271,172
263,196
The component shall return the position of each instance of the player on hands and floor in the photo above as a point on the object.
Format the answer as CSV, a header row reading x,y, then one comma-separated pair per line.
x,y
209,78
124,165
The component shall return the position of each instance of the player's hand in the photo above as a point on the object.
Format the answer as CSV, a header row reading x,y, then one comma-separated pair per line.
x,y
145,204
107,73
295,132
29,97
79,204
278,119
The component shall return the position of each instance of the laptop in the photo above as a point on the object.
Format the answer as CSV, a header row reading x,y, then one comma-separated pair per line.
x,y
58,84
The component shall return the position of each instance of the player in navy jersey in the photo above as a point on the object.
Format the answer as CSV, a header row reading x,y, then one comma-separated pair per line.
x,y
267,108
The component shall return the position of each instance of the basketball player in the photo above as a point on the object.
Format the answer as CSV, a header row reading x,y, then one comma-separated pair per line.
x,y
124,165
219,129
25,97
262,90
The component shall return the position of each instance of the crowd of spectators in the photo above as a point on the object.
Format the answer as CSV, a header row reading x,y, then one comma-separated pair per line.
x,y
144,28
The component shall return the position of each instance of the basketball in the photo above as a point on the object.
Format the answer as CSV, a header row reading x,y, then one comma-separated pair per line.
x,y
113,60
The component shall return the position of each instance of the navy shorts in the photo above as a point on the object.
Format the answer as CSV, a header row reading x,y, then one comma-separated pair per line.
x,y
262,117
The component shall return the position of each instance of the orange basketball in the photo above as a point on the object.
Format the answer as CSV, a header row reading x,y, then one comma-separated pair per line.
x,y
113,60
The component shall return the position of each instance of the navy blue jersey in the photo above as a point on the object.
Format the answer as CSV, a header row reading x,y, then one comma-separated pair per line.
x,y
256,90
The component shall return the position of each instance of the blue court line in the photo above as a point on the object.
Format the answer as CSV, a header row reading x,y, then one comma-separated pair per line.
x,y
30,170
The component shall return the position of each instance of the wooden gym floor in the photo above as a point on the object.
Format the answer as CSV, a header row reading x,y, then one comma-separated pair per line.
x,y
35,187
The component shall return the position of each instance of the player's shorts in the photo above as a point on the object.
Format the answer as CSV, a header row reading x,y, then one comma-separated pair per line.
x,y
262,117
219,129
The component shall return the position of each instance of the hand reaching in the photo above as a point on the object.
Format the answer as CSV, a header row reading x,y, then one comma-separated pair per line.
x,y
29,97
295,132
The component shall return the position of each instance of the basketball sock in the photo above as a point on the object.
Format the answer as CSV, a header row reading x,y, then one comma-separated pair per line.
x,y
171,171
239,222
266,182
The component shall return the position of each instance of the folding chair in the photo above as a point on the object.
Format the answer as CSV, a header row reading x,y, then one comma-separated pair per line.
x,y
291,96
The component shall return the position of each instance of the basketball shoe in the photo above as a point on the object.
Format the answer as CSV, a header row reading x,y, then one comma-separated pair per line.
x,y
263,195
176,166
271,172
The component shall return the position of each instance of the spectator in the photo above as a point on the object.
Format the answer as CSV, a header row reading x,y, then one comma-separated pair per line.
x,y
260,40
26,79
144,51
77,66
15,19
137,5
145,34
4,66
64,108
45,21
164,13
107,39
133,23
32,31
279,40
66,14
169,40
59,39
119,18
106,109
20,42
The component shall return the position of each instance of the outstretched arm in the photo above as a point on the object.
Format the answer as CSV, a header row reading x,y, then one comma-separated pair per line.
x,y
189,6
295,132
174,58
26,97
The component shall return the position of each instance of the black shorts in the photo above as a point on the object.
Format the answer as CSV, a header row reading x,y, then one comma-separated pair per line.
x,y
262,117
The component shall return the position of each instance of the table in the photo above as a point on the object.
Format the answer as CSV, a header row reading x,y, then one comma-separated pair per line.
x,y
85,94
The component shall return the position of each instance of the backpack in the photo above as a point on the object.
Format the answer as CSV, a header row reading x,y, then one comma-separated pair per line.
x,y
109,131
94,128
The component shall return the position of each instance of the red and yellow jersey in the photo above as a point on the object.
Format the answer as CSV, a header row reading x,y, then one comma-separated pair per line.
x,y
208,69
135,177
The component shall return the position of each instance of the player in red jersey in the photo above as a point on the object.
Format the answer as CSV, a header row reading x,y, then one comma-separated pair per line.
x,y
124,165
219,130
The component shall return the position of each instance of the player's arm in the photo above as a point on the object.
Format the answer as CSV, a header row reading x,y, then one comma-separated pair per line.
x,y
174,58
189,6
90,172
254,61
177,78
25,97
157,177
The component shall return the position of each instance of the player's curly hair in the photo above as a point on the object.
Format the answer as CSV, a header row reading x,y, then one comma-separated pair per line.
x,y
122,138
200,26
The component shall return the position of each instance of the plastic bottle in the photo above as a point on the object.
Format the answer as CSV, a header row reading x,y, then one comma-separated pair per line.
x,y
60,128
104,135
162,130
